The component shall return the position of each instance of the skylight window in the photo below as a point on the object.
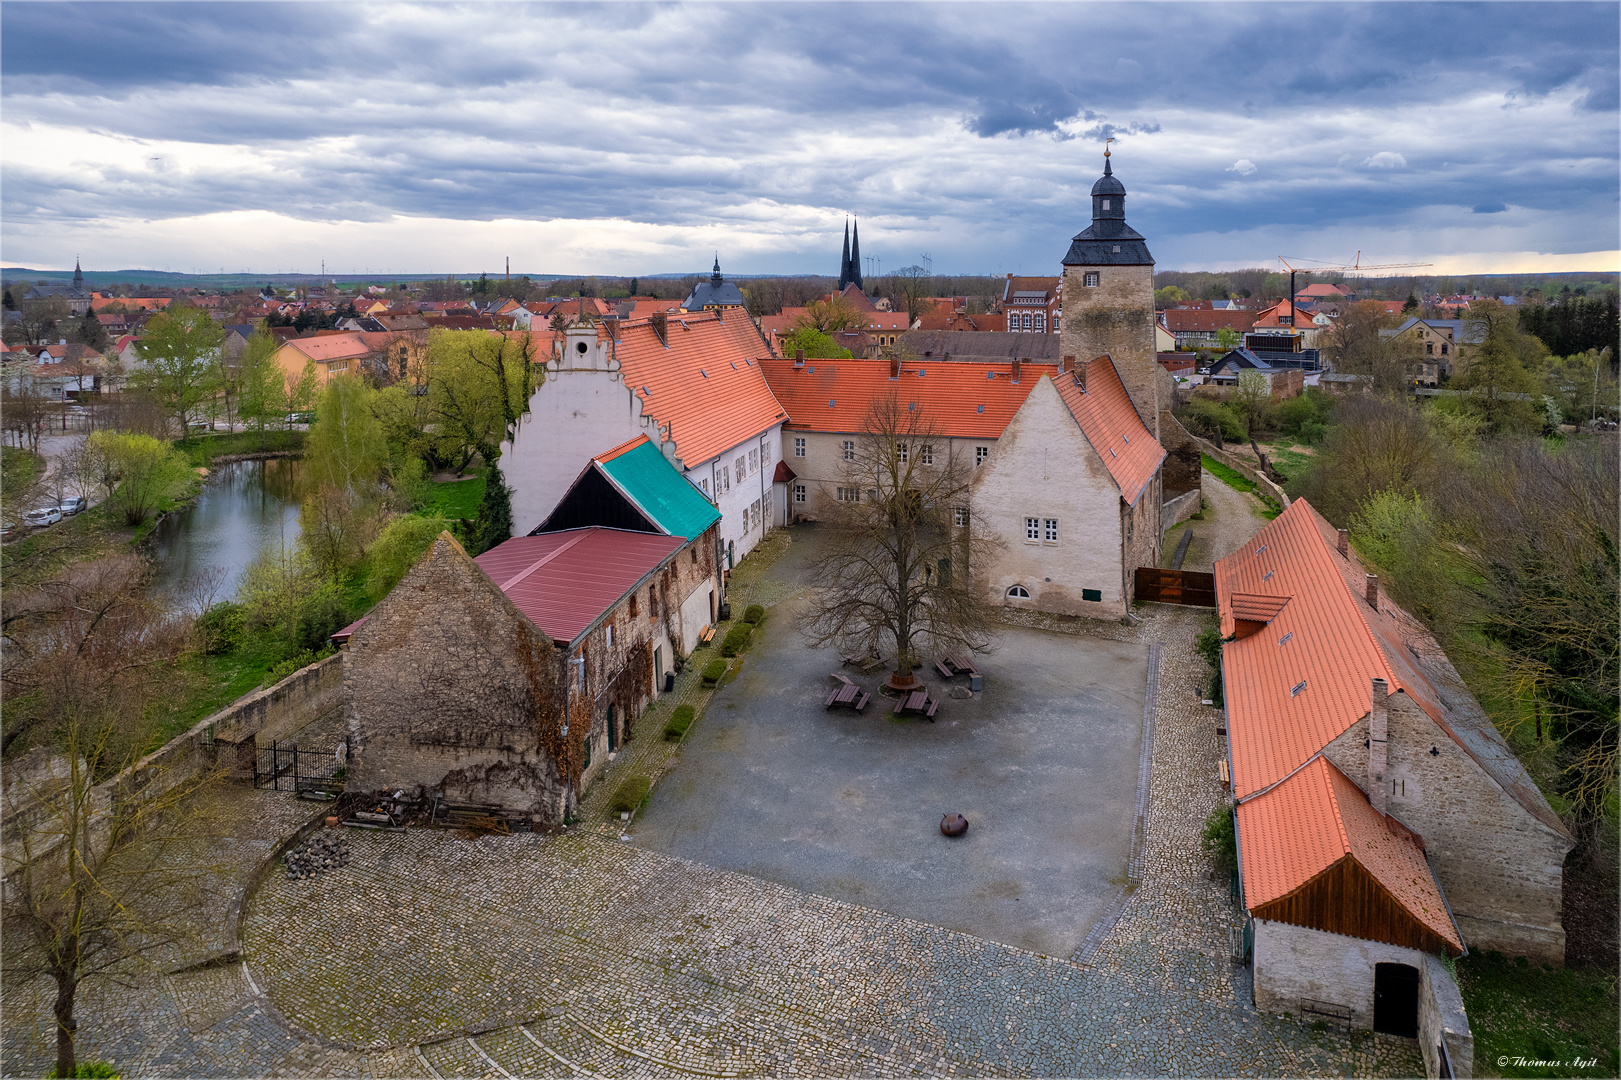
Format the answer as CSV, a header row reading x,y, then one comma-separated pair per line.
x,y
990,374
1268,575
920,373
1260,549
830,403
1286,638
1112,453
981,408
1295,690
704,373
1127,438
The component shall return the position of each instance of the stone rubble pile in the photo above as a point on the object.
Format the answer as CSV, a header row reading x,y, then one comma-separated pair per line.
x,y
323,852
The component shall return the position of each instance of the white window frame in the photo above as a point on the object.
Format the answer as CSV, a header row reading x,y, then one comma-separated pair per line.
x,y
1017,592
1090,279
849,450
1049,530
799,447
925,454
754,462
981,455
959,516
1032,530
799,493
903,453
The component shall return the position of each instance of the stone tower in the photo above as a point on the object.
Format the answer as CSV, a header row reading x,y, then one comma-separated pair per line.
x,y
1109,308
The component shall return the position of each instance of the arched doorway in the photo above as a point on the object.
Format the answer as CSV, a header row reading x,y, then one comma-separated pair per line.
x,y
1395,999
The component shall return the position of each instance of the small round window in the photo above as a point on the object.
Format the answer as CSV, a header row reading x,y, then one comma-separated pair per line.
x,y
1018,592
580,347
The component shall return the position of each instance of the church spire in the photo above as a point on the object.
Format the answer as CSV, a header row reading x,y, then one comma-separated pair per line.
x,y
844,259
855,257
78,275
715,277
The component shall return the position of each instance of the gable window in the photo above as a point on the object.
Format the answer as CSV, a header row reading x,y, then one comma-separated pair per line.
x,y
652,602
1049,530
633,605
1443,348
799,448
608,635
799,493
1018,592
1090,280
1032,530
849,450
980,454
1429,348
926,454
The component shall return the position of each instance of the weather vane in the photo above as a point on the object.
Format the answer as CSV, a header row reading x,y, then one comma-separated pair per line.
x,y
1106,143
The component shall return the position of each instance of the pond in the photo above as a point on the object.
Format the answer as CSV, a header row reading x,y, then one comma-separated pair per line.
x,y
245,506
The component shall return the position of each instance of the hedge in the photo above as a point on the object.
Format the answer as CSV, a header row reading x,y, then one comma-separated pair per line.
x,y
630,794
715,671
737,639
680,721
754,615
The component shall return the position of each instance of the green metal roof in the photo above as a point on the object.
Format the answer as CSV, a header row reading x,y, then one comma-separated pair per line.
x,y
668,499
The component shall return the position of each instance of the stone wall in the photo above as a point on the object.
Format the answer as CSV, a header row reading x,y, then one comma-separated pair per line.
x,y
449,688
280,711
1244,468
1441,1018
1179,508
1296,964
1144,534
1502,870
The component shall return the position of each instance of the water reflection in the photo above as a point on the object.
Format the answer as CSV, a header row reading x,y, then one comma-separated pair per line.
x,y
245,505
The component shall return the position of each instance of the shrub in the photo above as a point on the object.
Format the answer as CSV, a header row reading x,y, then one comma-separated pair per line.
x,y
301,659
397,549
754,615
220,628
1219,839
680,721
1208,645
90,1070
737,639
714,671
630,794
1210,418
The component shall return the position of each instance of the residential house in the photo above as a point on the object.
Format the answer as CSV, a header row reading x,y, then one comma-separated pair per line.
x,y
948,317
1033,305
1065,474
1284,381
690,383
389,356
1200,328
1382,821
1440,339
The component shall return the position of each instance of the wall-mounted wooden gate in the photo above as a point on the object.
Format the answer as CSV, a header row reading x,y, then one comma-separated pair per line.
x,y
1190,587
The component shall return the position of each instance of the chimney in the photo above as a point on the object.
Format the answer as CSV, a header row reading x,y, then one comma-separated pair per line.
x,y
1378,752
799,358
1015,369
1373,591
1345,543
1066,363
661,327
895,366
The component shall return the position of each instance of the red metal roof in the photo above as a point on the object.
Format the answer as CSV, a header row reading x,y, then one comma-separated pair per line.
x,y
1198,320
563,581
1317,817
705,385
1112,426
963,400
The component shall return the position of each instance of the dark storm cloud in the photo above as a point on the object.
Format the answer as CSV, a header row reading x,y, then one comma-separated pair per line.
x,y
681,115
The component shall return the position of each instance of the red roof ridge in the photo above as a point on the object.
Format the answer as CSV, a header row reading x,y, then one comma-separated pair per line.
x,y
622,448
544,559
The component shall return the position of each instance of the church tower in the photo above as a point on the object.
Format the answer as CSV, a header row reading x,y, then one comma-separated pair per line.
x,y
844,260
855,258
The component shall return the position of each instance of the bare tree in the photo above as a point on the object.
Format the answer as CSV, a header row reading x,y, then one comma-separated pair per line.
x,y
896,576
23,409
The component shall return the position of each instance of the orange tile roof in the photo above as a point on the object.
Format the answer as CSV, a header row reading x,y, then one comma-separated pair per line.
x,y
705,387
1112,426
1313,820
326,347
1294,687
963,400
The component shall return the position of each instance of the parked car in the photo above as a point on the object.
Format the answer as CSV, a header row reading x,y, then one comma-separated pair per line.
x,y
45,515
8,529
300,418
74,504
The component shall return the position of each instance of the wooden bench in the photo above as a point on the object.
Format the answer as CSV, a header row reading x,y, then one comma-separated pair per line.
x,y
943,668
706,635
917,701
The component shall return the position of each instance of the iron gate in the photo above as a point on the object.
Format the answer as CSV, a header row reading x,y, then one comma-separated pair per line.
x,y
315,768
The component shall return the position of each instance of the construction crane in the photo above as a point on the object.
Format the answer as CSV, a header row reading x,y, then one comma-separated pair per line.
x,y
1355,268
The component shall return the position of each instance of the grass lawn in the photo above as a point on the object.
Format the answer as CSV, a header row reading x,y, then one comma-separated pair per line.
x,y
202,450
455,499
1518,1009
209,683
1239,482
1289,458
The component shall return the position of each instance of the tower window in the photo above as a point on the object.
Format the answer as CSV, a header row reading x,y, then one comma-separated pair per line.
x,y
1090,280
1105,204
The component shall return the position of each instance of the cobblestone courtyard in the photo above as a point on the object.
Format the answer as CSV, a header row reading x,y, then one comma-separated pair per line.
x,y
433,954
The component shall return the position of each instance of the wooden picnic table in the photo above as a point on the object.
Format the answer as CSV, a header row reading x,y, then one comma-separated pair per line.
x,y
866,662
847,693
917,701
954,665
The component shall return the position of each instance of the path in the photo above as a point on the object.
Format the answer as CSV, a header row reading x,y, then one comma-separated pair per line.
x,y
1231,517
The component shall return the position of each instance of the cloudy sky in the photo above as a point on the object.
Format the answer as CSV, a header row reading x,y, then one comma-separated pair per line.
x,y
633,138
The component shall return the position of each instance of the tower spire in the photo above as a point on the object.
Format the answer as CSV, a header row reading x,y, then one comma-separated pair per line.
x,y
78,275
855,257
844,259
715,276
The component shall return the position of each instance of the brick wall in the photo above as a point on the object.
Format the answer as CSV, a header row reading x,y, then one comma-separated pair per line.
x,y
1501,868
